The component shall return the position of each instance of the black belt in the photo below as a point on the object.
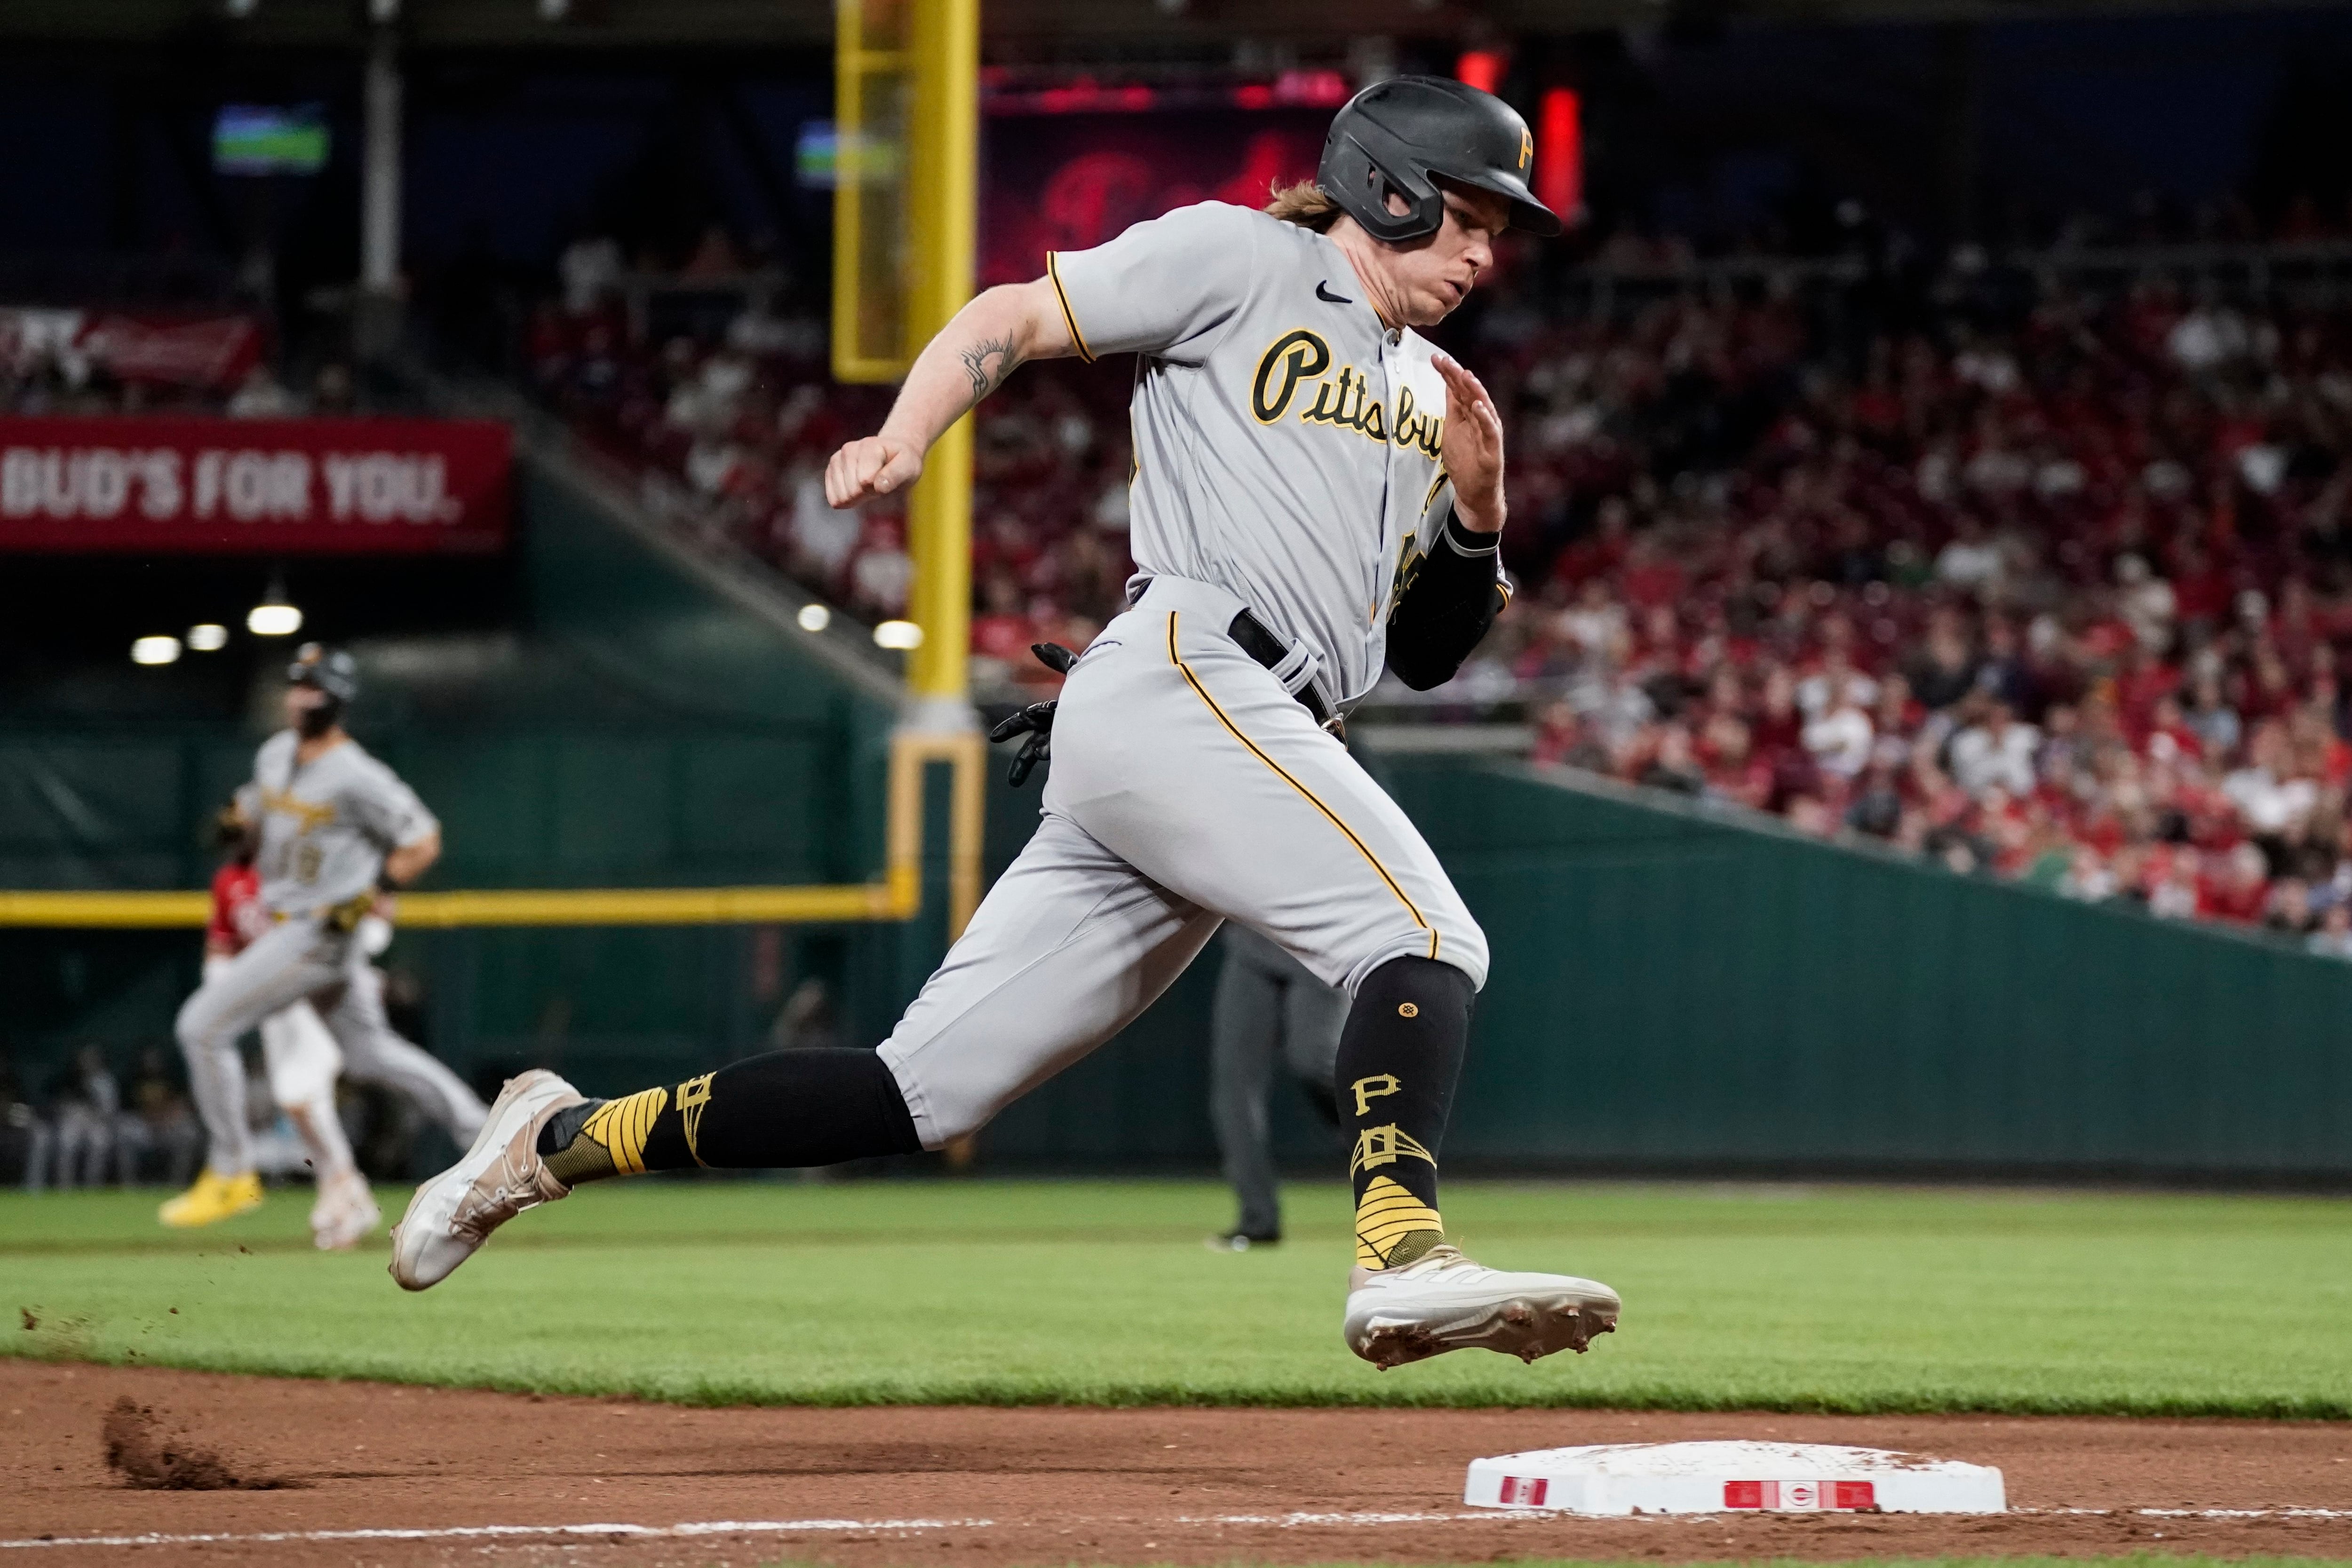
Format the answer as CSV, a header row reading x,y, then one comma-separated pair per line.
x,y
1262,645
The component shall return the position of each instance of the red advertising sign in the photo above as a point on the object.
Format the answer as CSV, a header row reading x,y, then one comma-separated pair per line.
x,y
273,486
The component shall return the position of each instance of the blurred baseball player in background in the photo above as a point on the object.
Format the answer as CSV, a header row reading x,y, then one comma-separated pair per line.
x,y
300,1055
333,831
1317,491
1268,1009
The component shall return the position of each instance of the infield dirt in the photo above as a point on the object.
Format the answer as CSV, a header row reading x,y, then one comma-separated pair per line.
x,y
986,1487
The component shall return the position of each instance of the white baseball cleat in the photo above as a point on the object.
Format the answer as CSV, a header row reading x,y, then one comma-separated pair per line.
x,y
452,1214
344,1213
1444,1302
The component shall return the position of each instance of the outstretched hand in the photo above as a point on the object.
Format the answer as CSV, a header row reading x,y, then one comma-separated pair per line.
x,y
1473,448
871,465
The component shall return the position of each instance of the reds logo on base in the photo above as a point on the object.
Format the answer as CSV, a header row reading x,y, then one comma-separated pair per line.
x,y
1801,1497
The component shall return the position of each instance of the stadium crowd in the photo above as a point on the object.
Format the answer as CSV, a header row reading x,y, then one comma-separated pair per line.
x,y
2052,590
2059,600
42,381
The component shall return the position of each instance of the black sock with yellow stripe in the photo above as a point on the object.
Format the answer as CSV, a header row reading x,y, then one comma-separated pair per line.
x,y
1399,1054
816,1107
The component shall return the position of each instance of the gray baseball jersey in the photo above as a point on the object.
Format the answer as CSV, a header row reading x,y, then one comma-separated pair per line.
x,y
1286,444
1287,461
326,825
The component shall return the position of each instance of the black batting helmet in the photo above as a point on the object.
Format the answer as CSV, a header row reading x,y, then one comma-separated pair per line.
x,y
1395,134
331,670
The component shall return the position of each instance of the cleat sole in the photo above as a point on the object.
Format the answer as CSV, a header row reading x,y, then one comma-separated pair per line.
x,y
1527,1327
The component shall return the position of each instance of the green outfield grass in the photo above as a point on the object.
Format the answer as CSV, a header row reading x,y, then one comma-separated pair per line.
x,y
784,1291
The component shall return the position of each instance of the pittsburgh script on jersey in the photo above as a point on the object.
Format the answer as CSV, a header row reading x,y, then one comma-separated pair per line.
x,y
1295,371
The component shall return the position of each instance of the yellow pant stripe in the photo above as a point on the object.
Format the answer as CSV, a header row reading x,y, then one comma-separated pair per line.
x,y
1283,774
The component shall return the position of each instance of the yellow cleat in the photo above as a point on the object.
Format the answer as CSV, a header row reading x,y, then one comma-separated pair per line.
x,y
213,1199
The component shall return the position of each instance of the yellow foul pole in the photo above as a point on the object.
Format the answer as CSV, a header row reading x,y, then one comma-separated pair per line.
x,y
905,210
907,110
942,191
942,203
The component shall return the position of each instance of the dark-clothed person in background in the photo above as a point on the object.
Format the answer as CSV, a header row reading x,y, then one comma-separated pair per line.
x,y
1268,1009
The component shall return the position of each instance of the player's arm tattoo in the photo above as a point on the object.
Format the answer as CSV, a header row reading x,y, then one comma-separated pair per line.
x,y
988,362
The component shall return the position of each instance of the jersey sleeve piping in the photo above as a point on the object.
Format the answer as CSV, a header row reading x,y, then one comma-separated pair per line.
x,y
1069,318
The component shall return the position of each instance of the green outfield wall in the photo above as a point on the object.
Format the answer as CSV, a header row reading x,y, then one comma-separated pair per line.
x,y
1679,987
1682,989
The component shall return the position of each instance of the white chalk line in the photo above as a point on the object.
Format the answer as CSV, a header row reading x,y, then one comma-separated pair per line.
x,y
477,1531
2203,1512
910,1526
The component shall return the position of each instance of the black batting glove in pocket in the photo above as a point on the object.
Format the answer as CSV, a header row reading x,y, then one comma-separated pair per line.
x,y
1035,721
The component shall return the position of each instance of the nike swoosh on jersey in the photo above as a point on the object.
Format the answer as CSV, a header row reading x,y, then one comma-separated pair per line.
x,y
1323,292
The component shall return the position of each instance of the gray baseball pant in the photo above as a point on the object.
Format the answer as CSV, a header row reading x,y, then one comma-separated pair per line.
x,y
1188,788
1267,1009
301,960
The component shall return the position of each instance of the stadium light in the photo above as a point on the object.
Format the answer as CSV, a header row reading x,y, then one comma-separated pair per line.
x,y
155,650
814,618
210,637
904,634
273,617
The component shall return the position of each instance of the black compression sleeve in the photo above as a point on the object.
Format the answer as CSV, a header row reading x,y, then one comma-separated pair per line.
x,y
810,1107
817,1106
1449,600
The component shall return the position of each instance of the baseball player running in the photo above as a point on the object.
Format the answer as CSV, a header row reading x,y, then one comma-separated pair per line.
x,y
1316,490
335,828
300,1056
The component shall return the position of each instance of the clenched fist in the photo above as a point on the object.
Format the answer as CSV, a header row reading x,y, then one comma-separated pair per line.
x,y
871,465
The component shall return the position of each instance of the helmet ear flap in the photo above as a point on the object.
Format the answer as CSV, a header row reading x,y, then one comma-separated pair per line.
x,y
1359,177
